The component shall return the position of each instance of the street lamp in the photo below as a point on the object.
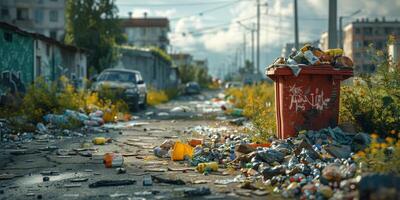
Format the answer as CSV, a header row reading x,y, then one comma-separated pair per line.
x,y
340,41
252,29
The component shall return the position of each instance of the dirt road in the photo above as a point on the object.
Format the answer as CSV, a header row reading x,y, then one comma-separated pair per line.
x,y
25,167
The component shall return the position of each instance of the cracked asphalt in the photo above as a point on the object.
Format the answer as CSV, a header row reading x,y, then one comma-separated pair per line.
x,y
24,166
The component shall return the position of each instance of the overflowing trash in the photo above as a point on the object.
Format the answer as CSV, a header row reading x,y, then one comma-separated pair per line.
x,y
310,55
311,166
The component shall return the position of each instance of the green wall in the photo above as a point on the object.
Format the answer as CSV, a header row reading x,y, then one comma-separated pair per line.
x,y
17,55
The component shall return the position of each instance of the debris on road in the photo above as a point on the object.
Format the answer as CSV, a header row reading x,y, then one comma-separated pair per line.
x,y
112,160
158,179
107,183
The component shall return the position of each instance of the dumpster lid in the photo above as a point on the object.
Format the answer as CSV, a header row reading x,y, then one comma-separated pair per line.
x,y
285,70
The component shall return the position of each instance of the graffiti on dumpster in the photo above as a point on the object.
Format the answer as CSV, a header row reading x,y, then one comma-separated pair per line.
x,y
299,100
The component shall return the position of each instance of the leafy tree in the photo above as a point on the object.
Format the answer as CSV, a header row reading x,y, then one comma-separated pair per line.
x,y
195,73
94,25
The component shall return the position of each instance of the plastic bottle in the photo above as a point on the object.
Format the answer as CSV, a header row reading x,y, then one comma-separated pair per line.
x,y
212,166
308,54
111,160
101,140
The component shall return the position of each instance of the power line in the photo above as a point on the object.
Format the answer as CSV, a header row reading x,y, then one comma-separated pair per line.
x,y
201,13
219,26
174,4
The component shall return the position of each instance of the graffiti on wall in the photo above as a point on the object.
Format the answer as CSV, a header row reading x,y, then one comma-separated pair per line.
x,y
16,54
299,100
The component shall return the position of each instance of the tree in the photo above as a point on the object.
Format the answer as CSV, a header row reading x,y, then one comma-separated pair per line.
x,y
94,26
194,73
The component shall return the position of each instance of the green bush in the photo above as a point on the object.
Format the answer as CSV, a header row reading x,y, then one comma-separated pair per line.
x,y
373,102
258,104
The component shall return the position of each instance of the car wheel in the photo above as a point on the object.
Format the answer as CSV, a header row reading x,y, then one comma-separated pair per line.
x,y
144,104
134,107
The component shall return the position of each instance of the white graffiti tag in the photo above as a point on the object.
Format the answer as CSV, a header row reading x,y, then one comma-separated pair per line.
x,y
299,100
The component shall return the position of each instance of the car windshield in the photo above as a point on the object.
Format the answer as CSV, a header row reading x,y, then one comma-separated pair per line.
x,y
117,76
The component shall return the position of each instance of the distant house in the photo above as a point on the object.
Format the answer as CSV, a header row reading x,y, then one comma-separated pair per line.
x,y
147,32
25,56
41,16
155,68
181,59
359,34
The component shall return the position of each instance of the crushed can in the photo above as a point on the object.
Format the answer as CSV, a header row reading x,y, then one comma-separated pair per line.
x,y
112,160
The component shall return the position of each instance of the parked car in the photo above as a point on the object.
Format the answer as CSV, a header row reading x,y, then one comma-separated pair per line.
x,y
127,84
192,88
233,85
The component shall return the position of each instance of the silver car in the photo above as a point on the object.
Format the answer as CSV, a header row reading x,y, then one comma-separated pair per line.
x,y
126,84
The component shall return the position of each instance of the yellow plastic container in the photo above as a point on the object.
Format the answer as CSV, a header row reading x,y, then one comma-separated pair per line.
x,y
180,150
202,166
99,140
334,52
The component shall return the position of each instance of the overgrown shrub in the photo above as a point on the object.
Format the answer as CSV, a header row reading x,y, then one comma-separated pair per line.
x,y
155,97
373,102
43,98
382,155
257,102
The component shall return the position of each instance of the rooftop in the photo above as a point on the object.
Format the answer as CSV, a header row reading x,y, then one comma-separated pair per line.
x,y
145,22
38,36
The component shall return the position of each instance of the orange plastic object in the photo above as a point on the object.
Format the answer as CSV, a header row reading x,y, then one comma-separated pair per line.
x,y
255,145
194,142
113,160
181,150
309,101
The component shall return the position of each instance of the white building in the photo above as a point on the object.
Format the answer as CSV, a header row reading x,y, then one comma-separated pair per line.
x,y
42,16
147,32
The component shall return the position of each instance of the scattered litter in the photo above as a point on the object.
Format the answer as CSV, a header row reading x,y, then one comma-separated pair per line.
x,y
113,160
107,183
194,192
168,181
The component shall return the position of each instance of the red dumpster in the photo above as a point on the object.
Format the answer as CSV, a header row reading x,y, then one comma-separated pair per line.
x,y
309,101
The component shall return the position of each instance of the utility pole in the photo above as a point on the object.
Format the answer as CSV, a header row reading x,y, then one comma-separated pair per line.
x,y
296,27
332,28
252,29
252,46
244,48
258,37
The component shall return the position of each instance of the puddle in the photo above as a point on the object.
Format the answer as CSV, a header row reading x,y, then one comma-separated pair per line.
x,y
38,178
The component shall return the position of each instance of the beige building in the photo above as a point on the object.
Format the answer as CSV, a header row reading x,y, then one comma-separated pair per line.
x,y
41,16
323,42
147,32
359,34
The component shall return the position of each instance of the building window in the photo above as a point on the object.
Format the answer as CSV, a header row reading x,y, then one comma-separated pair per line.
x,y
22,14
368,31
357,31
53,15
388,30
7,37
39,16
48,50
5,13
53,34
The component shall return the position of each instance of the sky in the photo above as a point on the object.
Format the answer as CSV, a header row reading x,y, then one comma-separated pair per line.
x,y
209,29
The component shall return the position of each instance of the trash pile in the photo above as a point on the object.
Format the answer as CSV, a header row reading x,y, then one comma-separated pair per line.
x,y
315,165
310,55
70,123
